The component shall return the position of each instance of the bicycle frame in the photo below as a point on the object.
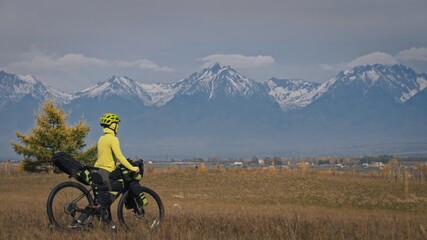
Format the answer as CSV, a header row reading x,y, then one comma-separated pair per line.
x,y
91,191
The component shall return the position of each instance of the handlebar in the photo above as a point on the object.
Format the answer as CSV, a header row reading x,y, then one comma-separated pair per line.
x,y
138,163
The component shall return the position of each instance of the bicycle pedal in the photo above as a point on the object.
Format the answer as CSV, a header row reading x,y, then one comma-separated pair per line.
x,y
76,225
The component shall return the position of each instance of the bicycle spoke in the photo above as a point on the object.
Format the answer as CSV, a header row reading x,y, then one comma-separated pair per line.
x,y
66,203
148,218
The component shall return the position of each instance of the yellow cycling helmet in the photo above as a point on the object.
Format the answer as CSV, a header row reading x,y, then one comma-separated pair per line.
x,y
108,119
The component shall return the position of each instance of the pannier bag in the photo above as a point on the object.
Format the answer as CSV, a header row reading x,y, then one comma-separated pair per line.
x,y
136,196
66,163
130,202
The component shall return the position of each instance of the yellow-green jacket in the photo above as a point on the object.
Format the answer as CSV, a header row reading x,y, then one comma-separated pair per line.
x,y
109,152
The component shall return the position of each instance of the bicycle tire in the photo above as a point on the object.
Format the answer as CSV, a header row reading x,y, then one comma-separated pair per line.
x,y
153,212
65,203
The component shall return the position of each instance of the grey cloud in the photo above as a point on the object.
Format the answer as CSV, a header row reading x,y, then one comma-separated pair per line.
x,y
167,38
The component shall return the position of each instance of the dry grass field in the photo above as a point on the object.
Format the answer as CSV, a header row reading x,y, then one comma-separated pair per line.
x,y
240,204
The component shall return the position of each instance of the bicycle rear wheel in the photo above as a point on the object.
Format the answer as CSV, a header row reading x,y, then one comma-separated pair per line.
x,y
148,217
66,202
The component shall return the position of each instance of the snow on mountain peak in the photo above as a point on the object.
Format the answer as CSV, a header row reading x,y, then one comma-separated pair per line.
x,y
158,94
15,87
291,94
216,80
215,68
399,81
155,94
116,85
28,78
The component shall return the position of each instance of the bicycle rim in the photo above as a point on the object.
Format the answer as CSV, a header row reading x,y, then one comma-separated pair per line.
x,y
66,203
151,217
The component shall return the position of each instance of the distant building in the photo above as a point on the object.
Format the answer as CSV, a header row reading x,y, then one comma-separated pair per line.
x,y
238,164
378,164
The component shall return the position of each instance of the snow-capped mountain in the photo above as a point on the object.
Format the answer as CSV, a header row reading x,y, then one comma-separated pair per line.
x,y
156,94
119,86
212,82
220,111
14,87
217,81
400,82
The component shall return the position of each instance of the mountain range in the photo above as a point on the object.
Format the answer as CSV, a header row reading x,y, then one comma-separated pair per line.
x,y
372,109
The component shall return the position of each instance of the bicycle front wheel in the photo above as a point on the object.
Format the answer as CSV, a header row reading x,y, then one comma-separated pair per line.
x,y
66,202
148,217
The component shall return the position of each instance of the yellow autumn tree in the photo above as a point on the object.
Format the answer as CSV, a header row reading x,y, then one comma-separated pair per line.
x,y
50,135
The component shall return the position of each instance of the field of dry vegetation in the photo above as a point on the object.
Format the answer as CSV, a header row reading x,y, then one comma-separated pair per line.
x,y
216,203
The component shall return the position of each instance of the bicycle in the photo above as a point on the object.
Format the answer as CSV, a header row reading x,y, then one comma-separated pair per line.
x,y
68,200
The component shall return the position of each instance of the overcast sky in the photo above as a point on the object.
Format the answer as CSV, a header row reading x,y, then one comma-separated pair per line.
x,y
71,45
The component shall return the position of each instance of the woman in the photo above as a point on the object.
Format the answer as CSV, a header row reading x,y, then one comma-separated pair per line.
x,y
109,153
